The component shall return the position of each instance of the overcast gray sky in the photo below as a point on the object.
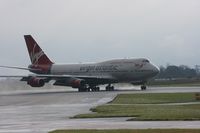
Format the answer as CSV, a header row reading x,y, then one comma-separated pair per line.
x,y
72,31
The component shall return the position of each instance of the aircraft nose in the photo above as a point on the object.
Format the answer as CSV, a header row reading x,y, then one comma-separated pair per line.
x,y
156,70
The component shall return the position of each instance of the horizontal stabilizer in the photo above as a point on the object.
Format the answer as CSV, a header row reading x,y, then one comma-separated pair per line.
x,y
21,68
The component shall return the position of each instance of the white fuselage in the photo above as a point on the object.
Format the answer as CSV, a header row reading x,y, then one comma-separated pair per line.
x,y
122,70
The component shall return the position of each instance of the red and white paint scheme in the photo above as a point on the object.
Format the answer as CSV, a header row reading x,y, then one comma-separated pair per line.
x,y
40,62
84,77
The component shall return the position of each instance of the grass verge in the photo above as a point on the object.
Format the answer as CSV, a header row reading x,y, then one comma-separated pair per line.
x,y
176,83
148,107
154,98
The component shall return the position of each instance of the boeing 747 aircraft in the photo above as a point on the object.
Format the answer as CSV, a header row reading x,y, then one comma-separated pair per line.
x,y
84,77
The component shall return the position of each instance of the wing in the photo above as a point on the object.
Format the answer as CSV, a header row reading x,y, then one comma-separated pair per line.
x,y
96,80
60,79
20,68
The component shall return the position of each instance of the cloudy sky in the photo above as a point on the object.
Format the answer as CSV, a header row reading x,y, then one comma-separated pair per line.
x,y
73,31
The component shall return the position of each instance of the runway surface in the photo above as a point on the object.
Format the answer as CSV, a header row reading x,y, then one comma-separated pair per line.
x,y
40,111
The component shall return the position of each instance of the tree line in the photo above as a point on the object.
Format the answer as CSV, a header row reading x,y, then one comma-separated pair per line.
x,y
172,71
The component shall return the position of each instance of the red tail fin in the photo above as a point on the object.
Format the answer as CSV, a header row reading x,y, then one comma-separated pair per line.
x,y
37,56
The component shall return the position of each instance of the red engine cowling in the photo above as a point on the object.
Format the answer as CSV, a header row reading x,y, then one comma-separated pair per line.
x,y
77,83
36,82
73,82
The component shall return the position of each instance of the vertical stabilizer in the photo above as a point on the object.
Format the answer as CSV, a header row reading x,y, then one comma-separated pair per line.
x,y
37,56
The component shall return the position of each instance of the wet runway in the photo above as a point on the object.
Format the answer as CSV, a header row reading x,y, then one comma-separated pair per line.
x,y
40,112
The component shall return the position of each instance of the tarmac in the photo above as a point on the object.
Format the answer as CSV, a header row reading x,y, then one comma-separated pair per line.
x,y
40,111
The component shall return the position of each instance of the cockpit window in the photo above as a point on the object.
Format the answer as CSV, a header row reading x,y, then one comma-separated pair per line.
x,y
145,61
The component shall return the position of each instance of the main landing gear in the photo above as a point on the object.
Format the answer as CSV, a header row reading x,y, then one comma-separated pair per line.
x,y
110,88
143,87
95,88
88,89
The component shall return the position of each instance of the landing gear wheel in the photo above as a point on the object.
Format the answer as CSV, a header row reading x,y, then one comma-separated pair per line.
x,y
80,90
95,88
88,89
84,89
110,88
143,87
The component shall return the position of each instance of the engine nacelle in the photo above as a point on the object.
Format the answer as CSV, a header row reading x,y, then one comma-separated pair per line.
x,y
36,82
77,83
73,82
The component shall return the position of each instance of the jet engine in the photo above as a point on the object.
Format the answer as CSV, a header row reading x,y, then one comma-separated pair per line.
x,y
73,82
77,83
36,82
